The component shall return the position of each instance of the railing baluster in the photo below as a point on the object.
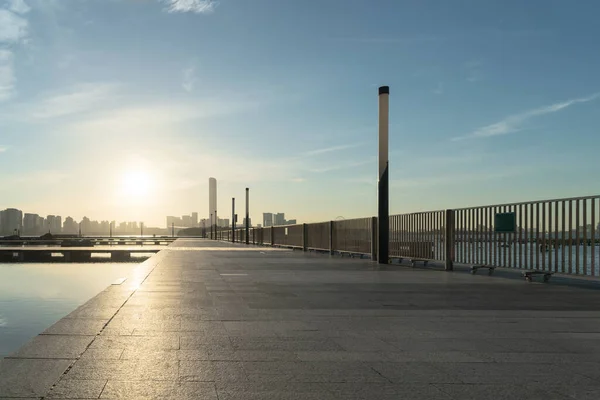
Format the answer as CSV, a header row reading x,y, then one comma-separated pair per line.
x,y
585,242
526,237
593,249
520,264
570,236
577,225
537,236
563,238
551,243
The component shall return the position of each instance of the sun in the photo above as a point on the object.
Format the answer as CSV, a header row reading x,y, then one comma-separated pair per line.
x,y
136,183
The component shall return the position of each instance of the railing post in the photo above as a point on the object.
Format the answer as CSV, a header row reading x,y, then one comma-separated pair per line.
x,y
331,237
304,237
374,238
449,240
272,236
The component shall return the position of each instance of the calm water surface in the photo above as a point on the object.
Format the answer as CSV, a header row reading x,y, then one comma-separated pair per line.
x,y
34,296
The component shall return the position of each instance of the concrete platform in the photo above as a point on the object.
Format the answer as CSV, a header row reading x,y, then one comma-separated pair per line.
x,y
201,321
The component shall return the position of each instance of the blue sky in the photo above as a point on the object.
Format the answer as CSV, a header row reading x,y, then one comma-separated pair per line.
x,y
491,101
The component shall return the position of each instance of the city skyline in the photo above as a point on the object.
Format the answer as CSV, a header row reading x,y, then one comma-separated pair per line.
x,y
115,109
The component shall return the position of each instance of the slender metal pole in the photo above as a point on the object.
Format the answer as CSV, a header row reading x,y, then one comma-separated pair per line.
x,y
172,229
233,219
247,216
383,185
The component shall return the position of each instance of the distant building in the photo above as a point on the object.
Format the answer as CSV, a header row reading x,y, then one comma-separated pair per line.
x,y
11,221
70,226
223,222
267,219
30,224
291,222
54,223
194,219
212,197
249,222
186,221
173,221
279,219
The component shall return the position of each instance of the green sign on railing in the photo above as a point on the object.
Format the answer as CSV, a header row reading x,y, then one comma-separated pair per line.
x,y
505,223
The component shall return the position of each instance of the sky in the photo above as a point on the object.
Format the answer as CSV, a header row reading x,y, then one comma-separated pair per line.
x,y
122,109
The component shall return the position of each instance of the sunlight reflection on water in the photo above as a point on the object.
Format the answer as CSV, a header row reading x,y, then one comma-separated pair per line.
x,y
34,296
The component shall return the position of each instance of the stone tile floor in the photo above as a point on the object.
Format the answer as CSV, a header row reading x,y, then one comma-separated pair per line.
x,y
202,321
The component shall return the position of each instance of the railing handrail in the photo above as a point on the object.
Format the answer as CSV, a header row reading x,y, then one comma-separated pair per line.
x,y
597,196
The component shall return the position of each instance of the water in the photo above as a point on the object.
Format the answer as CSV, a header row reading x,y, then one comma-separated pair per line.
x,y
35,296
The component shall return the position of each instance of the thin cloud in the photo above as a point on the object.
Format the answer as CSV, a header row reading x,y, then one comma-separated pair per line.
x,y
3,149
76,100
332,149
13,28
18,6
194,6
371,160
513,123
189,78
7,74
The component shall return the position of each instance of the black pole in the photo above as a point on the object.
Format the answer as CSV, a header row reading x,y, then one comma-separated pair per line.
x,y
383,211
247,216
233,219
172,229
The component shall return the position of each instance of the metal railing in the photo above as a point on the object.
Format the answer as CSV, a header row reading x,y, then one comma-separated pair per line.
x,y
417,235
552,235
559,235
353,235
318,236
289,235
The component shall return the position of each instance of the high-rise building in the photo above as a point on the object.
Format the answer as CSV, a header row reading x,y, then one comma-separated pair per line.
x,y
194,219
267,219
11,221
70,226
279,219
54,223
186,221
249,222
212,197
30,222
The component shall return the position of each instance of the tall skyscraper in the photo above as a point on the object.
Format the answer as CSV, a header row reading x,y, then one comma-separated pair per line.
x,y
194,219
279,219
212,197
267,219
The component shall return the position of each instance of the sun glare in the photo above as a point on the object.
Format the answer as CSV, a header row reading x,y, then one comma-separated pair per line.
x,y
136,183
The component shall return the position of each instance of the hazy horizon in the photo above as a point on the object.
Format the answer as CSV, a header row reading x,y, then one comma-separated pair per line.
x,y
122,110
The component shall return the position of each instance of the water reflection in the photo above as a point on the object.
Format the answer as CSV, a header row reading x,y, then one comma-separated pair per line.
x,y
34,296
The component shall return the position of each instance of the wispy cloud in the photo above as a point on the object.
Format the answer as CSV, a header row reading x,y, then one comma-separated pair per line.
x,y
336,167
13,27
3,149
7,74
189,78
75,100
18,6
13,30
513,123
332,149
195,6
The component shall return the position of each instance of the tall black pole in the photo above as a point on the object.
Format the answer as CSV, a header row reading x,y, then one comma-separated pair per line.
x,y
233,219
172,229
247,216
383,211
216,226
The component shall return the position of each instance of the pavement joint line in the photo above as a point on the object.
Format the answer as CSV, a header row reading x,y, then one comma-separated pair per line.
x,y
101,330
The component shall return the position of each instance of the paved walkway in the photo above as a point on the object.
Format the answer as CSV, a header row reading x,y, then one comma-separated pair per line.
x,y
206,320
